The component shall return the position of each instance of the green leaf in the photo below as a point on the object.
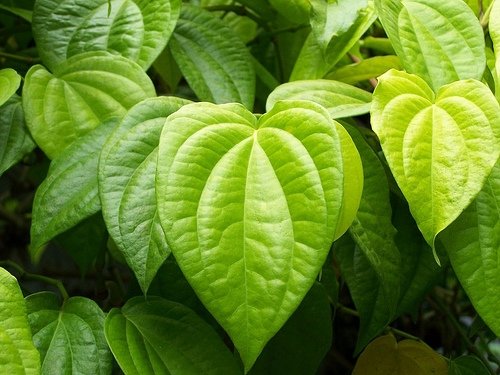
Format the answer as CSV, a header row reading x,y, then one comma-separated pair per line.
x,y
299,347
18,354
156,336
494,31
214,61
295,11
127,186
365,69
84,91
18,11
69,193
15,140
440,148
250,208
473,246
70,338
441,41
136,29
9,82
341,99
467,365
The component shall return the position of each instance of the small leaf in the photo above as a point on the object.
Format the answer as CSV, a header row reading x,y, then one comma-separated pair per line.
x,y
18,354
365,69
214,61
9,83
341,99
69,193
295,11
127,186
250,208
440,148
136,29
467,365
84,91
15,140
156,336
441,41
408,357
19,9
70,338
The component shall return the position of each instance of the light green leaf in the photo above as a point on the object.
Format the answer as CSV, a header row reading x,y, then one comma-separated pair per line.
x,y
15,140
70,338
440,148
467,365
341,99
295,11
473,246
156,336
365,69
9,83
494,31
214,61
127,186
250,208
136,29
18,354
83,92
69,193
441,41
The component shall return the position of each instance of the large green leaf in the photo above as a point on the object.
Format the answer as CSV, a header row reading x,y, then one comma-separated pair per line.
x,y
440,148
250,208
127,186
156,336
341,99
473,246
69,193
9,83
84,91
70,338
295,11
18,354
136,29
494,31
15,140
214,61
441,41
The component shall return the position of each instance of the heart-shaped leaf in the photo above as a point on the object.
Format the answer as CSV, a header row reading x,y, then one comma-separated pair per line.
x,y
136,29
127,186
84,91
440,148
70,338
250,208
18,354
441,41
156,336
9,83
467,365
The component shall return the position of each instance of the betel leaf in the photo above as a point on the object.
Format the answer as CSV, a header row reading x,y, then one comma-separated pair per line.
x,y
156,336
472,242
341,99
82,92
494,31
15,140
70,338
409,357
295,11
136,29
18,354
441,41
69,193
214,61
365,69
440,148
9,83
127,186
467,365
250,208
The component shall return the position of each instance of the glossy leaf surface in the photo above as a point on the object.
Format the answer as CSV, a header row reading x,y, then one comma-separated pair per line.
x,y
156,336
250,208
136,29
440,148
84,91
9,83
18,354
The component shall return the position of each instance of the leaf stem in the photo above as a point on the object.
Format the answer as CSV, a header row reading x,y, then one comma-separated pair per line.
x,y
28,59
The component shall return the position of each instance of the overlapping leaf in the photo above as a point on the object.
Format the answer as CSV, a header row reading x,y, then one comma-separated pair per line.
x,y
441,41
18,354
365,69
127,186
467,365
83,92
250,208
156,336
136,29
440,148
9,83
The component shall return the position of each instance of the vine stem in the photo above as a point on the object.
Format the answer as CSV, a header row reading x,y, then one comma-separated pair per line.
x,y
32,276
27,59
